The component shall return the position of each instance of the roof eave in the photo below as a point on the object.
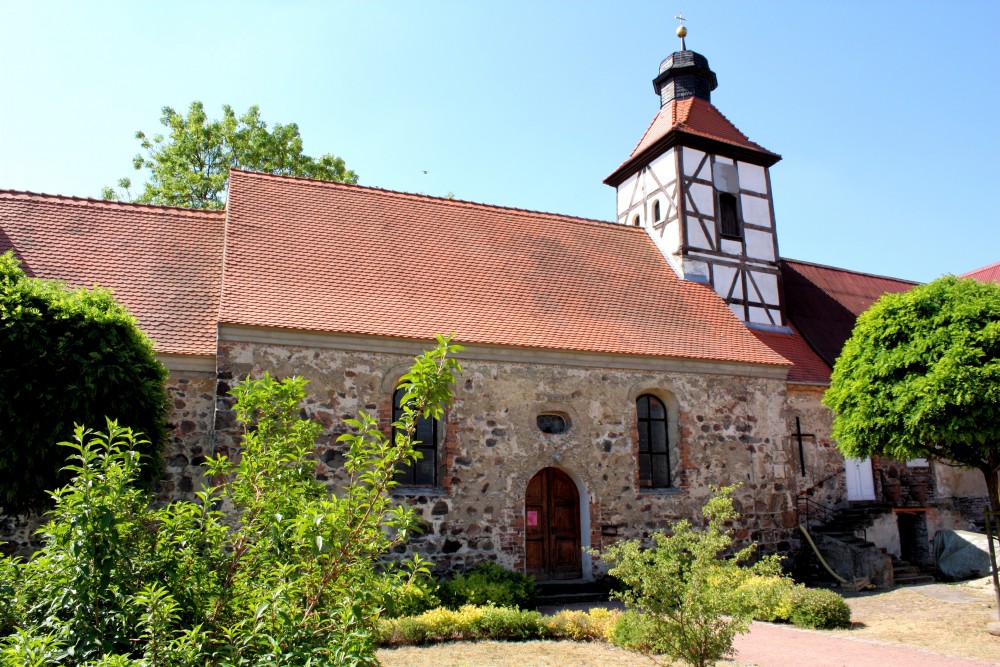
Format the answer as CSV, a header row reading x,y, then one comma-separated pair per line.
x,y
678,137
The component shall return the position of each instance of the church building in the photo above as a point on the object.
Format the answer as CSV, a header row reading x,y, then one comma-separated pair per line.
x,y
613,372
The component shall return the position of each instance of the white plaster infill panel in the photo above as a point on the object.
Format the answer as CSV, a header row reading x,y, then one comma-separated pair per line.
x,y
760,245
759,315
240,333
696,235
672,237
703,198
692,159
756,210
767,285
732,247
664,167
723,276
627,194
753,177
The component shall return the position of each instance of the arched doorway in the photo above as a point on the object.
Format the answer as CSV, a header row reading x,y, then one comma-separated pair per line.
x,y
552,526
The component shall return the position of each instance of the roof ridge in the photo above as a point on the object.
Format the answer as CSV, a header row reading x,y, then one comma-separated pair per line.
x,y
104,203
415,195
843,270
980,269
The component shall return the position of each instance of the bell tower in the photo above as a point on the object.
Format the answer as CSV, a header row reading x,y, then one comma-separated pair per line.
x,y
702,191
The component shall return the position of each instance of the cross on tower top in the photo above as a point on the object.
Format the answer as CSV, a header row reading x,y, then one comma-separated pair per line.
x,y
681,30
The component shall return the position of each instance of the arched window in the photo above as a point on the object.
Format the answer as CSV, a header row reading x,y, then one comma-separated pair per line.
x,y
656,210
423,471
654,443
635,221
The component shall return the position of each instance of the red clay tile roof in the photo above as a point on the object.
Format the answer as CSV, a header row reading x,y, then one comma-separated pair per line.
x,y
823,302
323,256
807,366
163,263
694,116
986,274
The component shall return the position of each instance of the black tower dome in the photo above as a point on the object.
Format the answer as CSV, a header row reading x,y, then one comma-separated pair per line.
x,y
684,74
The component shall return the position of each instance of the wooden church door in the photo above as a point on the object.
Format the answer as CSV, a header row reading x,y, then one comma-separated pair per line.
x,y
552,526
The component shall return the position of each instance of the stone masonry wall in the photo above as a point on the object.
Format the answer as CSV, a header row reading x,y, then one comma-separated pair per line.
x,y
729,429
823,480
192,397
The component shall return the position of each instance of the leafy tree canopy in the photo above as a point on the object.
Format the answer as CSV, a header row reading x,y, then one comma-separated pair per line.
x,y
68,356
189,165
920,377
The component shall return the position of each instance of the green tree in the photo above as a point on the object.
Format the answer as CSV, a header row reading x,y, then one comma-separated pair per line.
x,y
287,575
68,356
920,378
189,165
684,593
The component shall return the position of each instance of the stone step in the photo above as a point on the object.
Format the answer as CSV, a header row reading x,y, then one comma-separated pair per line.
x,y
570,592
569,598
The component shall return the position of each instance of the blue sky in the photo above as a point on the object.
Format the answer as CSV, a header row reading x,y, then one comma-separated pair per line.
x,y
885,113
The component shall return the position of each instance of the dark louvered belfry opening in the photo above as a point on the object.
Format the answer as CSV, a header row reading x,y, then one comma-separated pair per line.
x,y
729,217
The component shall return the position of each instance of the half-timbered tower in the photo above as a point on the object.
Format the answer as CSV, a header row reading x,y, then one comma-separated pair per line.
x,y
702,191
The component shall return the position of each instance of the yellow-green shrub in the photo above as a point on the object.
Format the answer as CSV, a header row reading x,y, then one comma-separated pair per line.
x,y
767,597
598,624
468,622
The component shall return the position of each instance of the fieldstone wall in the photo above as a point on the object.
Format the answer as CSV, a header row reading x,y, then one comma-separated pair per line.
x,y
192,397
819,468
728,429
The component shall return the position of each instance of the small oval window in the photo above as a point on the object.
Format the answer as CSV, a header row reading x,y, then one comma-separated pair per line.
x,y
551,424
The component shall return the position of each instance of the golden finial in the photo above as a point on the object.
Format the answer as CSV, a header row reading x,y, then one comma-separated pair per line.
x,y
681,31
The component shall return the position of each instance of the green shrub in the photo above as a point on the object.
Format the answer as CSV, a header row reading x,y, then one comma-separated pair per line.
x,y
686,588
488,583
413,598
765,596
9,609
816,608
292,575
598,624
466,623
507,623
635,631
69,357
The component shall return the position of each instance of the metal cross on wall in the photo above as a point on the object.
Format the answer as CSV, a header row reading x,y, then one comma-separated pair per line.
x,y
802,452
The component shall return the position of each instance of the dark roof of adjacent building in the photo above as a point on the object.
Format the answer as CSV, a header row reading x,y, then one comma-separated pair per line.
x,y
164,264
986,274
823,302
321,256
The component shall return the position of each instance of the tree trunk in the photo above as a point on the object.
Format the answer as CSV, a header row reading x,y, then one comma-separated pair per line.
x,y
990,471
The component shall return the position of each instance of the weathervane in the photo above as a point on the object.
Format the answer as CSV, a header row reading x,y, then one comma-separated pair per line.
x,y
681,30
